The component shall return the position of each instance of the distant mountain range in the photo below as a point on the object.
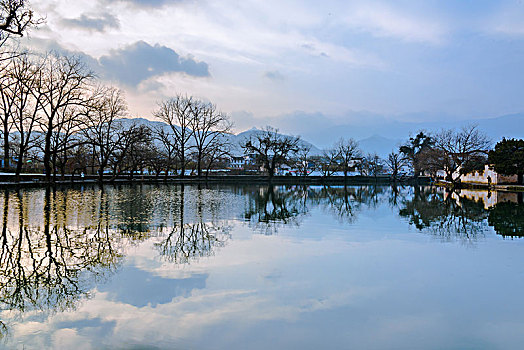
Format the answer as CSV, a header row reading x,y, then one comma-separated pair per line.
x,y
235,140
381,136
508,126
240,138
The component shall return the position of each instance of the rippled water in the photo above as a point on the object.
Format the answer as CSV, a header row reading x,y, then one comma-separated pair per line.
x,y
147,267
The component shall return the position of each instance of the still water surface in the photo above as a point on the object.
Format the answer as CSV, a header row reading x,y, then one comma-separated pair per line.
x,y
171,267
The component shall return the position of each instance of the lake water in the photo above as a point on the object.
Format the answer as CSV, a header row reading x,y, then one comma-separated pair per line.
x,y
249,267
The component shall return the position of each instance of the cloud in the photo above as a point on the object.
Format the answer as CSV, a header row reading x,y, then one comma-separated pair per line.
x,y
140,61
274,75
134,64
244,120
145,3
93,23
384,21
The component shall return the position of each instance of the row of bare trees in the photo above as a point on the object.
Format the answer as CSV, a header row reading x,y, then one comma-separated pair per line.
x,y
346,156
271,150
43,100
54,112
452,152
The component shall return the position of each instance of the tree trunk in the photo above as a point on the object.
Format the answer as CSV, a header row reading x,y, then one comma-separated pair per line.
x,y
6,146
47,156
183,162
19,165
53,165
101,173
63,167
199,165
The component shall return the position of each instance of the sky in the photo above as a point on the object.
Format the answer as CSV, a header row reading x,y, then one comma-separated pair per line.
x,y
305,63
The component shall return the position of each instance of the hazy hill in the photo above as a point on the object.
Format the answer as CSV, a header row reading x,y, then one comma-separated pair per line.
x,y
509,126
377,134
235,140
240,138
379,145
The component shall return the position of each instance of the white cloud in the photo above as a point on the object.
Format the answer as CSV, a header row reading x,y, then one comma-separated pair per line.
x,y
385,21
335,56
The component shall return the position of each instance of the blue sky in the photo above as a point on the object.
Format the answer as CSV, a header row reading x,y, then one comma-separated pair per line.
x,y
262,61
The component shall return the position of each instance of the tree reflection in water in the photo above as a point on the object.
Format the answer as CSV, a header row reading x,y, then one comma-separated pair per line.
x,y
50,265
445,215
271,207
196,232
345,202
508,219
56,245
342,202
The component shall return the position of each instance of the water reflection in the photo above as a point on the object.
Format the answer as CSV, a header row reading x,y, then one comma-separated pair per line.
x,y
50,265
56,246
345,202
59,247
507,219
270,207
195,236
444,215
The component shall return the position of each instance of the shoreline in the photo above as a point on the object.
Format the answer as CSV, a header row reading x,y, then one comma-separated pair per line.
x,y
38,180
482,186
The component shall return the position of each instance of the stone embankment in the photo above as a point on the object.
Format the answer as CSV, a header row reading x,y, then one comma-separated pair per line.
x,y
38,180
482,186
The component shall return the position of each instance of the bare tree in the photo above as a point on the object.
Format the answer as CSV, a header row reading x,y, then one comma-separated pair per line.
x,y
371,165
395,163
177,113
167,148
8,95
303,159
133,149
66,137
15,18
271,148
348,150
102,127
457,152
63,86
208,126
329,161
220,149
26,110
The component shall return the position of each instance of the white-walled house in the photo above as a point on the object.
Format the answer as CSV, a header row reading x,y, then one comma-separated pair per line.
x,y
488,176
240,162
482,177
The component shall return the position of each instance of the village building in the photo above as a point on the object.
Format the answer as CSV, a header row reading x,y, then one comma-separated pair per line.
x,y
241,162
487,176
